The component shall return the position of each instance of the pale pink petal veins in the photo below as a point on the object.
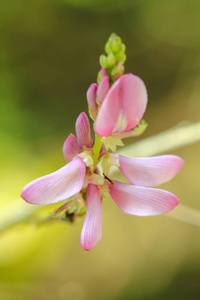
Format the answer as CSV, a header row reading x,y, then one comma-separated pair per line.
x,y
56,186
91,97
123,106
83,131
142,201
103,89
150,171
71,147
92,227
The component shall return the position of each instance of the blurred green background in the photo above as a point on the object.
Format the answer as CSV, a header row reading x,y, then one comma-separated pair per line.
x,y
49,53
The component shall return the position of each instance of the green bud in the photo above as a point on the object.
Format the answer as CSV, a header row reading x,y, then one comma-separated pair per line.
x,y
123,48
115,58
117,71
108,47
123,59
103,61
116,43
111,59
119,57
120,54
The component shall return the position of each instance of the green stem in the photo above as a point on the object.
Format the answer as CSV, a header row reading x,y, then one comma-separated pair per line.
x,y
96,149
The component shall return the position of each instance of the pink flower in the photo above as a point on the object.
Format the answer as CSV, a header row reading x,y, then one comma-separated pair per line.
x,y
84,182
68,180
122,107
138,199
96,95
71,181
132,199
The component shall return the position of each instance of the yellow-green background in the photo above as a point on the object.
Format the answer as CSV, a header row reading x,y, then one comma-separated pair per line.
x,y
49,54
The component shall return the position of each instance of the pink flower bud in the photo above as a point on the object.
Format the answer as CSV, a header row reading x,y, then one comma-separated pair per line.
x,y
102,73
103,88
71,147
91,97
123,106
83,131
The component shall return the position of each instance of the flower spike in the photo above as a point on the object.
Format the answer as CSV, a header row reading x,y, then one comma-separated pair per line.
x,y
116,104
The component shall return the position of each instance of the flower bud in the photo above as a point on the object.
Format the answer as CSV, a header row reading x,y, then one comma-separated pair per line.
x,y
71,147
102,89
120,54
103,61
116,43
91,97
108,47
103,72
83,131
117,71
111,59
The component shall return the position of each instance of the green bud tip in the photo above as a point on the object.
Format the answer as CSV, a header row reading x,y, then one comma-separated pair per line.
x,y
103,61
115,58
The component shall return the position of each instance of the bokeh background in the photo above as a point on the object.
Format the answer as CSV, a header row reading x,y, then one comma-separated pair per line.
x,y
49,53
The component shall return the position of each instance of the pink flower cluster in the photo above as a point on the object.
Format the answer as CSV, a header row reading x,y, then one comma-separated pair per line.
x,y
84,181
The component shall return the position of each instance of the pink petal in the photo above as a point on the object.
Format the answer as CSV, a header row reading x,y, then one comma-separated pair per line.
x,y
91,97
103,89
150,171
142,201
83,131
56,186
103,72
71,147
92,227
123,106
